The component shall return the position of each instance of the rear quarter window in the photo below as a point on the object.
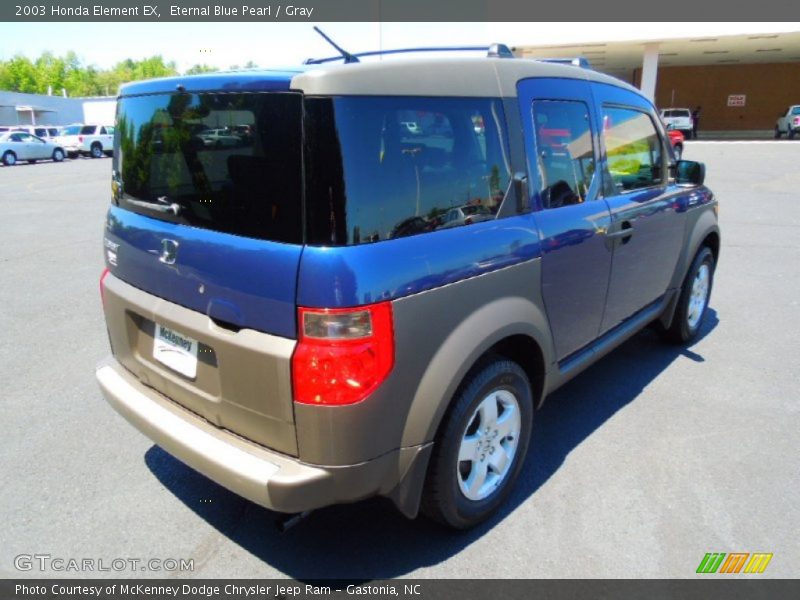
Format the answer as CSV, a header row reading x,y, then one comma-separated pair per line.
x,y
385,167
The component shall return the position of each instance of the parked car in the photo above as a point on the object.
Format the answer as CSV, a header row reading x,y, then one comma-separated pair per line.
x,y
680,119
18,145
46,132
466,215
219,138
788,122
87,140
272,326
676,141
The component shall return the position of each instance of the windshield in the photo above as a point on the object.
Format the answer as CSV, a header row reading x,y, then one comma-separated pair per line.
x,y
230,162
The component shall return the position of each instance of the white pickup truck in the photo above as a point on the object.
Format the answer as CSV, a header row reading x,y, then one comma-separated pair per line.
x,y
788,122
88,140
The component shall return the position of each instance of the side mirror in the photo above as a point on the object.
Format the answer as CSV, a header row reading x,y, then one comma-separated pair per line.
x,y
690,172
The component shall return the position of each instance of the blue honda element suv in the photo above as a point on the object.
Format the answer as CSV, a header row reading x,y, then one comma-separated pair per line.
x,y
347,280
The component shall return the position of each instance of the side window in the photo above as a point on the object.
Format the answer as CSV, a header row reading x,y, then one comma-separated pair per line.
x,y
41,132
16,137
110,130
386,167
87,130
633,148
565,152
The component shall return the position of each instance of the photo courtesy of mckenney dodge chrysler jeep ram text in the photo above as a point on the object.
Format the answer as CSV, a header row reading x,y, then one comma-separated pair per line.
x,y
334,305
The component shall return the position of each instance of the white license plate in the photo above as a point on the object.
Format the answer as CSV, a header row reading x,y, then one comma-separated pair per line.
x,y
177,351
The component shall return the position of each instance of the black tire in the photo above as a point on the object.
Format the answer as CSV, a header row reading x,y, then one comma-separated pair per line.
x,y
96,150
443,499
790,133
58,155
9,159
678,151
32,162
777,133
685,323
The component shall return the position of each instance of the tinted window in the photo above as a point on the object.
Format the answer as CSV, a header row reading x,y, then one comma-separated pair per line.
x,y
71,130
245,180
633,149
565,151
379,168
796,110
40,131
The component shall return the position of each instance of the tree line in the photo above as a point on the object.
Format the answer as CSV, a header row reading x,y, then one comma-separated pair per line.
x,y
53,74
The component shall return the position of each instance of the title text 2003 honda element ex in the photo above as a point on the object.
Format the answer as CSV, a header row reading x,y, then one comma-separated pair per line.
x,y
360,279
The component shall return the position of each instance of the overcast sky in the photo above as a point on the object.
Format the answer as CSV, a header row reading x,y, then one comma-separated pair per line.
x,y
276,44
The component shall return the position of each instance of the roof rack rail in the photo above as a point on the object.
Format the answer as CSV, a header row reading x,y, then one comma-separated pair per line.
x,y
578,61
492,51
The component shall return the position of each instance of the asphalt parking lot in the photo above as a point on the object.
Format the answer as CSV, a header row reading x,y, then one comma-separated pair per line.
x,y
644,463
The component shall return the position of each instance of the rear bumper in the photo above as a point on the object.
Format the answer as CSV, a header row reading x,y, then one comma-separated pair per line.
x,y
268,478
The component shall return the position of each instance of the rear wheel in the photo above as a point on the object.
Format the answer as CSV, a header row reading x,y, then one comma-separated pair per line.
x,y
9,158
96,150
481,446
693,301
790,133
58,155
777,133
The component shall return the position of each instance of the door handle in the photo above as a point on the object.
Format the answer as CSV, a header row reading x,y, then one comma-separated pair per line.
x,y
625,232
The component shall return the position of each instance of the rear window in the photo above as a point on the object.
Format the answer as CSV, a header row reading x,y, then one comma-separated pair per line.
x,y
384,167
229,162
88,129
677,113
796,110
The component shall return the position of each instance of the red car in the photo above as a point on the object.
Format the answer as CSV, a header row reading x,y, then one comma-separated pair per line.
x,y
676,140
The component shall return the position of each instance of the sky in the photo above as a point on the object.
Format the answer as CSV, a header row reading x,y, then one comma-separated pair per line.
x,y
285,44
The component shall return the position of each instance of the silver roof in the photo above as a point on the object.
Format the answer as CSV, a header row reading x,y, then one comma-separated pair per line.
x,y
475,77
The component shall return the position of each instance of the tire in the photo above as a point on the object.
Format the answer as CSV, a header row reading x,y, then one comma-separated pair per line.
x,y
693,301
9,159
790,133
96,150
777,133
58,155
678,151
32,162
481,445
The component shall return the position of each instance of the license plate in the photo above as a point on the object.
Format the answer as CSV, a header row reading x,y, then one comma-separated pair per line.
x,y
177,351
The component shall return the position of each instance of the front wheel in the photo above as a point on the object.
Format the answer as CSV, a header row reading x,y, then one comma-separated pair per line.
x,y
481,446
693,301
58,155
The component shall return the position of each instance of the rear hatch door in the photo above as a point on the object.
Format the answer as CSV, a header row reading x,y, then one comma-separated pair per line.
x,y
210,234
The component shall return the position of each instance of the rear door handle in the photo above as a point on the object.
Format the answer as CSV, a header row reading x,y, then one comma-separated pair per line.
x,y
624,232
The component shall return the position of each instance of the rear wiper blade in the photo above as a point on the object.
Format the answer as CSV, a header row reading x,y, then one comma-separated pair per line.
x,y
160,205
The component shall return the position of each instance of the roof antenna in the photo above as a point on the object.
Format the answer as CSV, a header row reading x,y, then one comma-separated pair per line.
x,y
348,58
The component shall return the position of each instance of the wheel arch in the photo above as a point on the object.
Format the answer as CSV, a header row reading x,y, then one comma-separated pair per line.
x,y
514,328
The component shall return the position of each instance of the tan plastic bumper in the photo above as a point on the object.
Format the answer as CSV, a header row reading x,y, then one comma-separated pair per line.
x,y
268,478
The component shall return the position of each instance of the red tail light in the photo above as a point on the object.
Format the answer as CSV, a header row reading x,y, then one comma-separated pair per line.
x,y
80,139
342,355
103,286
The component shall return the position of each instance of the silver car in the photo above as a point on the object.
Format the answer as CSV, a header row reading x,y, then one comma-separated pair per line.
x,y
18,145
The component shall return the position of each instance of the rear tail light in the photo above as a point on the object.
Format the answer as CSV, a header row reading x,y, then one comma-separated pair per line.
x,y
797,120
103,286
342,355
80,139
